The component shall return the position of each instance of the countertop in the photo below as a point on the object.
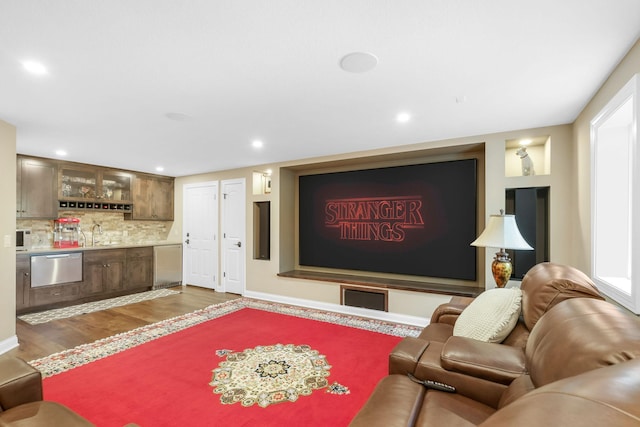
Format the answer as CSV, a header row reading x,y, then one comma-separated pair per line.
x,y
49,250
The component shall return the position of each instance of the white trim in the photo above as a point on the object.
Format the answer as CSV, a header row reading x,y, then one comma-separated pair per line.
x,y
343,309
631,300
8,344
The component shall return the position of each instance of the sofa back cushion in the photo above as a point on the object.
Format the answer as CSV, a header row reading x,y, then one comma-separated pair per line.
x,y
579,335
547,284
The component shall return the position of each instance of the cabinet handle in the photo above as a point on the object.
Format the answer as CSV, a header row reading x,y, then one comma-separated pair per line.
x,y
26,274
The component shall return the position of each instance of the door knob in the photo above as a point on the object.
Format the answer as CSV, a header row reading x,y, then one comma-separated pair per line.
x,y
239,244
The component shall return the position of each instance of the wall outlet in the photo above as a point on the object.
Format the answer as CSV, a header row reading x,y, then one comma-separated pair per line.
x,y
7,240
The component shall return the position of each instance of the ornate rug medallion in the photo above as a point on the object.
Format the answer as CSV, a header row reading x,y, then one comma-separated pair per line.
x,y
269,374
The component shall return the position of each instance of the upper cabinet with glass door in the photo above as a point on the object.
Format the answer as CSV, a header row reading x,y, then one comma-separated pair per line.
x,y
79,183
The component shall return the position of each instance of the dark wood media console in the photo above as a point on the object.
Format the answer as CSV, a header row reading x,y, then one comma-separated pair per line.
x,y
385,283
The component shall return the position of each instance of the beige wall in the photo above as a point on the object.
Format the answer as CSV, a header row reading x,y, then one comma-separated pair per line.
x,y
7,230
262,275
581,156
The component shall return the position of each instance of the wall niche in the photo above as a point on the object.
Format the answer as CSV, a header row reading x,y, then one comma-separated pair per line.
x,y
262,230
528,156
531,209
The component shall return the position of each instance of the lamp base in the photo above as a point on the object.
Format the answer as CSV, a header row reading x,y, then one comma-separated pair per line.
x,y
501,268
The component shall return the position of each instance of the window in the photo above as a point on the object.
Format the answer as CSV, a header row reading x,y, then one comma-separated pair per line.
x,y
615,189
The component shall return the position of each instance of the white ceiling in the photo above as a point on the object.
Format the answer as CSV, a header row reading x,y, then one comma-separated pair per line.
x,y
237,70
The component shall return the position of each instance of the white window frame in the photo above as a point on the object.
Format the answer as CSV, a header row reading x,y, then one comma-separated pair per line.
x,y
615,227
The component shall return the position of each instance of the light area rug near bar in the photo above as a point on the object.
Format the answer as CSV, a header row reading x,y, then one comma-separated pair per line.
x,y
90,307
243,362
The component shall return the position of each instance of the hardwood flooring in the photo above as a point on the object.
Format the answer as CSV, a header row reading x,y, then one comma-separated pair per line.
x,y
47,338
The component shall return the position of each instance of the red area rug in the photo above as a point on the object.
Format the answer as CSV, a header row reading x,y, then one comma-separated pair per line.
x,y
170,381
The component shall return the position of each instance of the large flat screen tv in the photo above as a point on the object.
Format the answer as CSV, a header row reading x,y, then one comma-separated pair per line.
x,y
413,220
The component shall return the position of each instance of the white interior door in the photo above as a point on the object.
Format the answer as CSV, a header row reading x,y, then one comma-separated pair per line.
x,y
200,228
233,235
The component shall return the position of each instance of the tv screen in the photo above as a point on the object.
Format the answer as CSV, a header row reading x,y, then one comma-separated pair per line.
x,y
414,220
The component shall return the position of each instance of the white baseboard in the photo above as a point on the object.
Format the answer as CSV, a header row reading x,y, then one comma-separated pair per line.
x,y
343,309
8,344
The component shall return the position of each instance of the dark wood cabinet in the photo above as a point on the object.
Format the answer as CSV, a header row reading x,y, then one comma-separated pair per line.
x,y
49,295
46,185
107,273
139,271
103,271
86,183
152,198
36,188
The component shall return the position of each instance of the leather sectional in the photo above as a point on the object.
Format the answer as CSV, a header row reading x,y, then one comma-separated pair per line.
x,y
572,359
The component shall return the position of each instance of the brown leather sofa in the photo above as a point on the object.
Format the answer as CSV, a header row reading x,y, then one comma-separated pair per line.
x,y
484,370
581,367
21,401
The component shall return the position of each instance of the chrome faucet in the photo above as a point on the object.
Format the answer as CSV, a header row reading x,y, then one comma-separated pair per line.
x,y
93,233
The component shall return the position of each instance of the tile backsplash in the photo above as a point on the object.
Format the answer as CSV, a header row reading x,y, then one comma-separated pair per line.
x,y
115,229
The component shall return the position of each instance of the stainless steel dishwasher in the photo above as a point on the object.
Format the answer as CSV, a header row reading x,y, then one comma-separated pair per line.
x,y
56,268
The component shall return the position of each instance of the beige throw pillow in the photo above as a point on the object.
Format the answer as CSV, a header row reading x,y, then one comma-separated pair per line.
x,y
491,316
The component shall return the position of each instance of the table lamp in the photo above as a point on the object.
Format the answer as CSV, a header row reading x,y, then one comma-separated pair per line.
x,y
501,232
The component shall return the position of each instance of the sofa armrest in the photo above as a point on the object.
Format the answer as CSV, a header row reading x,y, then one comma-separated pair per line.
x,y
19,383
449,312
491,361
405,355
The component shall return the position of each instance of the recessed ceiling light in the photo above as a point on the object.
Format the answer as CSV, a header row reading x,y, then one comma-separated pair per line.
x,y
35,68
358,62
256,143
159,168
61,153
403,117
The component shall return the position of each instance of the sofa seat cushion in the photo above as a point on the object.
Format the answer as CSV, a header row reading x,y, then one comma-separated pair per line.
x,y
490,361
491,316
429,367
451,410
43,413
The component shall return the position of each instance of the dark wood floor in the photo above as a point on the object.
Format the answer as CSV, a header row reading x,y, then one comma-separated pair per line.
x,y
47,338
